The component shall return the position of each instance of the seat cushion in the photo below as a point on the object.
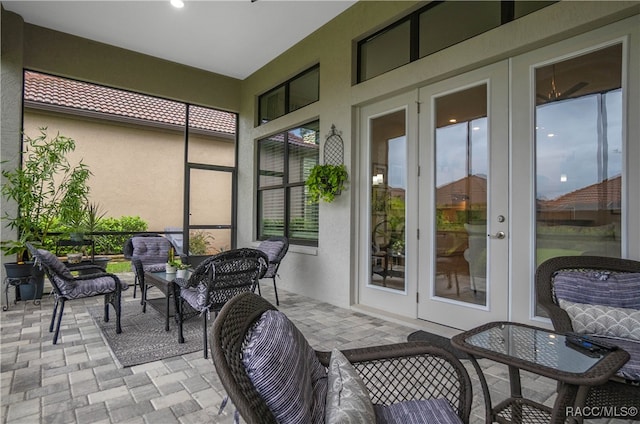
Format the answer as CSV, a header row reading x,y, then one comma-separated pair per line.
x,y
87,288
417,412
285,370
348,399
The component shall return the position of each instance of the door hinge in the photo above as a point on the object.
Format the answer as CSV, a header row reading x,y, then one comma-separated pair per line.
x,y
418,231
417,297
418,103
418,171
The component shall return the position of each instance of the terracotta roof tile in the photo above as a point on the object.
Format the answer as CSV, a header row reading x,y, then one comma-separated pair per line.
x,y
47,89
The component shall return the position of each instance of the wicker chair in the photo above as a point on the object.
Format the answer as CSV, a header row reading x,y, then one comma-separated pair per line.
x,y
69,287
619,392
275,248
148,252
216,280
392,373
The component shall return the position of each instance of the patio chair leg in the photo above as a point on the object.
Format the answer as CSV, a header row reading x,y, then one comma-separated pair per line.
x,y
135,285
179,314
106,308
55,335
53,316
118,307
204,334
275,289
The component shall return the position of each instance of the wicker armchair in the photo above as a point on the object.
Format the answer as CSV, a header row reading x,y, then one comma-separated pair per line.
x,y
216,280
275,248
412,372
623,390
66,286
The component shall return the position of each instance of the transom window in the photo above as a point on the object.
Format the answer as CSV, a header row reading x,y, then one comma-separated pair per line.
x,y
299,91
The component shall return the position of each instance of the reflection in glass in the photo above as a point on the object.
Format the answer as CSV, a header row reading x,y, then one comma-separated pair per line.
x,y
579,156
388,190
461,149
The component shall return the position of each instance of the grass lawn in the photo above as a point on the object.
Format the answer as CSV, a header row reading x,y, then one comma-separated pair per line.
x,y
119,266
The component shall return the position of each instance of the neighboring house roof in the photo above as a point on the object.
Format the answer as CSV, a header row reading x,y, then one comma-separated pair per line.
x,y
66,93
472,188
604,194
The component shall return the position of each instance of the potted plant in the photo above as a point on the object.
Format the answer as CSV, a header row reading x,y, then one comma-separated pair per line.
x,y
182,270
38,187
325,182
199,247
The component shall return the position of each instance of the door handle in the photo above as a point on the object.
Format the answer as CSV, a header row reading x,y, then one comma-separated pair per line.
x,y
499,235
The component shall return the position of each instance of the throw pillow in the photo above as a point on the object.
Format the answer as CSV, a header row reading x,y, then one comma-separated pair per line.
x,y
348,399
285,370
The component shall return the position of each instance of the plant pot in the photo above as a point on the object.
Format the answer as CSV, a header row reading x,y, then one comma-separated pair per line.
x,y
182,273
74,258
170,269
32,289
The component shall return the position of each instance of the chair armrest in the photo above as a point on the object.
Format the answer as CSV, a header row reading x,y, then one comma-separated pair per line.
x,y
413,371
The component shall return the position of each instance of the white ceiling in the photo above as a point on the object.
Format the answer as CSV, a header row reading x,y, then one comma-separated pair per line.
x,y
229,37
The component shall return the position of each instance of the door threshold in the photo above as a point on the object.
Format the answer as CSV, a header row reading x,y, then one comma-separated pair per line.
x,y
414,323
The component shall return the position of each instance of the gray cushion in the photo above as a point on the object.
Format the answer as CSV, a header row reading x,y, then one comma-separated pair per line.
x,y
54,264
619,290
417,412
348,399
285,370
272,249
151,250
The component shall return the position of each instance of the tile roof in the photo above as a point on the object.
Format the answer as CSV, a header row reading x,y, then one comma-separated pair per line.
x,y
604,194
55,91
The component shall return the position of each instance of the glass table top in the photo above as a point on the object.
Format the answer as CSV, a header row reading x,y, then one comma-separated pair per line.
x,y
536,346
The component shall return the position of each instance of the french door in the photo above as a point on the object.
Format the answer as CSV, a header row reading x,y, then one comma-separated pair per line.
x,y
389,229
463,197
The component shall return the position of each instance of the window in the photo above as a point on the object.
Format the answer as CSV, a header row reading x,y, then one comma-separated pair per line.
x,y
438,25
284,162
301,90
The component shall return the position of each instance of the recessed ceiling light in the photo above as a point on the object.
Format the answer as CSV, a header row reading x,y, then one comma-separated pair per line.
x,y
453,121
178,4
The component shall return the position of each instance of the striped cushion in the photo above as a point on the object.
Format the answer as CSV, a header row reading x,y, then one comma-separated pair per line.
x,y
348,399
417,412
598,288
285,370
272,249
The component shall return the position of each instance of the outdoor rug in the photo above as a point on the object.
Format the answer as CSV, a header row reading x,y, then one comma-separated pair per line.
x,y
143,338
436,340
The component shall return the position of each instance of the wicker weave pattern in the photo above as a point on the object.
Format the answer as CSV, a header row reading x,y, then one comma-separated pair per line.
x,y
216,280
392,373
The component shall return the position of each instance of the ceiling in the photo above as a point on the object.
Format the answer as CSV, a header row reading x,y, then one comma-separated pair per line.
x,y
229,37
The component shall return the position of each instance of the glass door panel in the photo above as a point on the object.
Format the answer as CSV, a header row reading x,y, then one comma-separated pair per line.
x,y
461,162
388,143
578,142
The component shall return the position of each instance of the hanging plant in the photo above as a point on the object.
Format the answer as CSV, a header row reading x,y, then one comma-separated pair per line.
x,y
326,182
